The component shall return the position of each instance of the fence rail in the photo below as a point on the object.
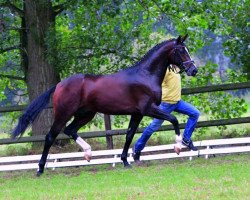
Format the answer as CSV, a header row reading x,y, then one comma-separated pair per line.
x,y
206,148
216,88
40,138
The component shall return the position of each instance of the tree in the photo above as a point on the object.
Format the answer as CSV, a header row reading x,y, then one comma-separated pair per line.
x,y
223,18
33,19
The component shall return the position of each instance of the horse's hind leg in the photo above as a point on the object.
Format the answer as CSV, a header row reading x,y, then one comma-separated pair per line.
x,y
81,118
49,140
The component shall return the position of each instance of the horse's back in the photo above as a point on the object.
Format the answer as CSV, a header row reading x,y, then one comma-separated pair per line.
x,y
111,94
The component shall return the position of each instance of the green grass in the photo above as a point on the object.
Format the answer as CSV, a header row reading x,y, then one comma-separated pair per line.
x,y
223,177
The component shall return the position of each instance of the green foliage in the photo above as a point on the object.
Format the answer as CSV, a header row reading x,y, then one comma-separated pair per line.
x,y
10,51
216,105
222,17
237,45
99,38
16,150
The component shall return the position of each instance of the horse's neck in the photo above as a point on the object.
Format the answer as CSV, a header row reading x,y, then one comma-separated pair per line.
x,y
157,66
154,65
159,61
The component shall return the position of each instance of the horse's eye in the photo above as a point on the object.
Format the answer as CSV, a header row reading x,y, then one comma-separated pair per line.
x,y
181,50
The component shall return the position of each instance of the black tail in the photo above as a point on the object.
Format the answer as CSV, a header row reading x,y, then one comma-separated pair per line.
x,y
31,113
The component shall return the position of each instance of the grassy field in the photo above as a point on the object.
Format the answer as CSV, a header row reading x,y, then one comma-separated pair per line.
x,y
223,177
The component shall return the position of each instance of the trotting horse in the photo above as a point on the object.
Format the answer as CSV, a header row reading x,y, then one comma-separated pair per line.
x,y
135,91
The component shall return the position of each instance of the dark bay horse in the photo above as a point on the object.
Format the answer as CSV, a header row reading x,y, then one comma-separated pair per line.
x,y
135,91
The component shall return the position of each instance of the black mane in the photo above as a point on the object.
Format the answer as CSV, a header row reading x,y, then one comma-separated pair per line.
x,y
147,55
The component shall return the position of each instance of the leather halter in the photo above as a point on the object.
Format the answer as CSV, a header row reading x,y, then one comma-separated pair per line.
x,y
177,57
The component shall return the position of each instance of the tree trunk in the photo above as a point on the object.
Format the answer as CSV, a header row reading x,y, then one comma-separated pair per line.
x,y
40,74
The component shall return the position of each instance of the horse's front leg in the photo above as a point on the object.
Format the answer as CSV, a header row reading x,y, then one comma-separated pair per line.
x,y
155,112
133,125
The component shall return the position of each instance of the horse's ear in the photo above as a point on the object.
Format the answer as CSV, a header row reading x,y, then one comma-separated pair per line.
x,y
184,38
178,40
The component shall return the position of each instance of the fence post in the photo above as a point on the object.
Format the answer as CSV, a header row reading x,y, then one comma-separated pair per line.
x,y
109,138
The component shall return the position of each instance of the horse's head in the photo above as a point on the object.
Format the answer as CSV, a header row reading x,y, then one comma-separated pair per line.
x,y
181,57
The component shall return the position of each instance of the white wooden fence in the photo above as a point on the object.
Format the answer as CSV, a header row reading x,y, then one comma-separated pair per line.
x,y
206,148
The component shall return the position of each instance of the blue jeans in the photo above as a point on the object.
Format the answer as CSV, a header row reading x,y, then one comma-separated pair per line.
x,y
180,107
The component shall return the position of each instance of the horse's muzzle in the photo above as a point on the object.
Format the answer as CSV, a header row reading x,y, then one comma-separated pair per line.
x,y
192,71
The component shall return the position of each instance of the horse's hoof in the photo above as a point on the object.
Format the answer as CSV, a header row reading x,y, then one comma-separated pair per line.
x,y
127,166
88,154
87,157
177,149
38,173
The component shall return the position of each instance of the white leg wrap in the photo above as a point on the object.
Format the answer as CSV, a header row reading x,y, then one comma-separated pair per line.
x,y
178,140
85,146
177,146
